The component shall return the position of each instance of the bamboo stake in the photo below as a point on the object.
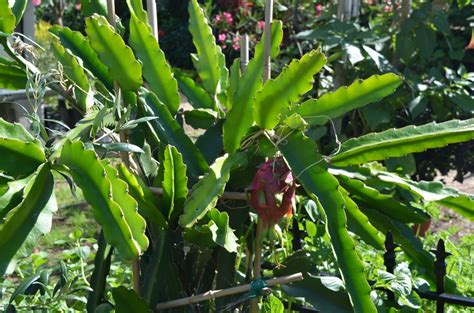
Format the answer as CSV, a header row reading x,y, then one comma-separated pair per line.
x,y
213,294
244,52
257,262
152,16
268,40
124,155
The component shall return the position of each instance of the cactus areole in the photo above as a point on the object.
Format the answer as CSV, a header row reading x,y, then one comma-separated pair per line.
x,y
272,192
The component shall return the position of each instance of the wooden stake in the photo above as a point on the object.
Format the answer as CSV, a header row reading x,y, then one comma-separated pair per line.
x,y
213,294
257,262
244,52
152,16
268,40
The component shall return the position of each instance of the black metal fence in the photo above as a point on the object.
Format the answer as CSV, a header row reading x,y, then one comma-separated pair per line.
x,y
439,296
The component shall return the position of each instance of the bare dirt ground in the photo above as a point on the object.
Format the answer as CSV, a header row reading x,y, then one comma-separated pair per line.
x,y
448,218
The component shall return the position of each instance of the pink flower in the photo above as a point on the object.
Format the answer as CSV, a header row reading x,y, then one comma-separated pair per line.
x,y
222,37
36,2
318,8
236,43
78,6
387,8
261,25
228,17
218,18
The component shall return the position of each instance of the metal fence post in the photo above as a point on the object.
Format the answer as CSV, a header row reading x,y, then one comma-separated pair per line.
x,y
440,271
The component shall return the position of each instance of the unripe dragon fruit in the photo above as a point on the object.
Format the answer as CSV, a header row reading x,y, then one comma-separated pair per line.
x,y
272,192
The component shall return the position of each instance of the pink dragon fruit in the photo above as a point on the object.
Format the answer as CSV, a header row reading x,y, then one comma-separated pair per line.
x,y
273,191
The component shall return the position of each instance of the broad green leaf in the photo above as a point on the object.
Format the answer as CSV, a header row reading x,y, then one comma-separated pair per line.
x,y
16,131
345,99
75,72
209,60
401,141
92,178
206,192
114,53
277,94
359,224
21,221
90,7
81,48
156,70
234,77
170,132
240,118
434,191
143,195
152,270
18,9
210,143
136,10
311,171
382,202
175,181
12,196
200,118
18,157
462,204
272,304
120,194
222,234
98,281
197,96
11,75
127,301
7,18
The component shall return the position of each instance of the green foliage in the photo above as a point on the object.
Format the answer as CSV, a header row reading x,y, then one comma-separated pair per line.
x,y
81,48
144,197
399,142
75,72
123,226
11,75
345,99
209,60
112,51
27,219
240,118
170,132
187,224
19,158
7,18
127,300
277,94
175,183
156,70
205,193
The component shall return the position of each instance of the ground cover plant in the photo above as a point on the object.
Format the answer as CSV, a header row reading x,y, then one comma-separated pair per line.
x,y
174,208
